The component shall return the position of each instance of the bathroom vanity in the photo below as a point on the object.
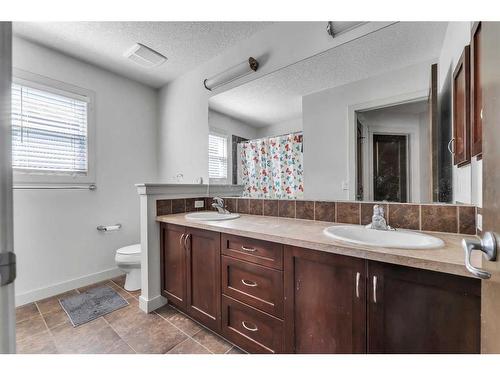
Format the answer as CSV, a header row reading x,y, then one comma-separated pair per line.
x,y
276,285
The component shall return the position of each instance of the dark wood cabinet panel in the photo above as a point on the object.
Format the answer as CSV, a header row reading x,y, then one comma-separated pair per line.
x,y
173,260
258,286
476,92
203,295
461,110
417,311
325,302
251,329
320,302
266,253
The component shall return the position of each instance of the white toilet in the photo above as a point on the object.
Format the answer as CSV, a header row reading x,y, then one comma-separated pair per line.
x,y
128,259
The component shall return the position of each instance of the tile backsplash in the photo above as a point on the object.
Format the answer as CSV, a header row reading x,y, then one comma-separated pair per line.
x,y
428,217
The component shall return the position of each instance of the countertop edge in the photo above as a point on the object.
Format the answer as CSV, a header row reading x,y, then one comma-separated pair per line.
x,y
335,247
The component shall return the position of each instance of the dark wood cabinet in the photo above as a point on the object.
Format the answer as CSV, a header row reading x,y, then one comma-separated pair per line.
x,y
270,298
325,302
257,286
461,110
269,254
476,92
173,260
418,311
203,277
191,278
251,329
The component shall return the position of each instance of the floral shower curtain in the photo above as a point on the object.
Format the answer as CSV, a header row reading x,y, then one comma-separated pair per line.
x,y
273,167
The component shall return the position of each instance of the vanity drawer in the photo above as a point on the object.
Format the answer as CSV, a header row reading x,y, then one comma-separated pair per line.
x,y
255,285
250,329
266,253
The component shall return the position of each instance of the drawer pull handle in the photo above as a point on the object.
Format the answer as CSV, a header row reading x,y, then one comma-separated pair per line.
x,y
358,275
374,289
245,325
249,249
249,283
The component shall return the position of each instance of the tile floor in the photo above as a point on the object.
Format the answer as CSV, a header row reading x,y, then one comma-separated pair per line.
x,y
43,327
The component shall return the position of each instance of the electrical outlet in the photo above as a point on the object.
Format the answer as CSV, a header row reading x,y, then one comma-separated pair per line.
x,y
345,185
199,204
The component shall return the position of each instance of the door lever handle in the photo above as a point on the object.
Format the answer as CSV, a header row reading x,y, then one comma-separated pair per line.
x,y
488,245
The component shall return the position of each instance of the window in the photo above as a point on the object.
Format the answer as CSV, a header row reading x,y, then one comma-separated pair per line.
x,y
49,131
217,156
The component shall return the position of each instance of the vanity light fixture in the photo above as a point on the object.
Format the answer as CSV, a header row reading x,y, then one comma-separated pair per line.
x,y
233,73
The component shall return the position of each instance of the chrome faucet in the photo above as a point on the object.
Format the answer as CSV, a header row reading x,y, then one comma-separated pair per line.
x,y
219,205
378,220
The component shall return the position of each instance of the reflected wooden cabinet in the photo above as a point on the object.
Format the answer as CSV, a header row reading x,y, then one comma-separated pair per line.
x,y
461,110
476,92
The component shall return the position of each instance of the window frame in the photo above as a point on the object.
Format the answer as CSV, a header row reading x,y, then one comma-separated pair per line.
x,y
36,81
221,134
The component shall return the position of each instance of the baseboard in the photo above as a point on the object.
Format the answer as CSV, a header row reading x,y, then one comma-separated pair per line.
x,y
55,289
151,304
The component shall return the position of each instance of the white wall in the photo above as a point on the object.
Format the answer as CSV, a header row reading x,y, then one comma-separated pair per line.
x,y
56,240
467,180
327,122
284,127
183,127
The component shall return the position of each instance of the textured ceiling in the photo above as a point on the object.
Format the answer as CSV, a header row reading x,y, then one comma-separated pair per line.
x,y
185,44
278,96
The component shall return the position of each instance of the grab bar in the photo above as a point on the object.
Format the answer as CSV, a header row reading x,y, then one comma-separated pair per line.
x,y
90,187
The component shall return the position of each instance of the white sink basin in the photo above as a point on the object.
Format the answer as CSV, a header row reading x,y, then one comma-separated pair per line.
x,y
210,216
400,239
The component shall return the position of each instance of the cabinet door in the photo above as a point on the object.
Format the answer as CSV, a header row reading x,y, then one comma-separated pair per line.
x,y
418,311
204,277
173,264
461,110
325,302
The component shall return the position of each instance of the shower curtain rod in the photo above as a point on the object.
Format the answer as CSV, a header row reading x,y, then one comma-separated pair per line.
x,y
273,136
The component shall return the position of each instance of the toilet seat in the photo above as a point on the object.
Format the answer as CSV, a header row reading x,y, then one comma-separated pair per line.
x,y
129,254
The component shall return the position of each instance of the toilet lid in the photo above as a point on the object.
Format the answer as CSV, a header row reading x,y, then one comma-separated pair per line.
x,y
132,249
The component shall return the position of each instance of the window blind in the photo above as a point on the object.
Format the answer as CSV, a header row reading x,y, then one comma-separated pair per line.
x,y
49,132
217,156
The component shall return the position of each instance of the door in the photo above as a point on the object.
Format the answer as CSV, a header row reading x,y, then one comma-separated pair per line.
x,y
490,83
390,167
204,277
173,260
7,259
412,311
325,302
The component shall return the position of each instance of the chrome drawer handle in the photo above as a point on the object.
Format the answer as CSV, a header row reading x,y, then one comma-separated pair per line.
x,y
253,329
250,249
358,275
249,283
181,240
374,289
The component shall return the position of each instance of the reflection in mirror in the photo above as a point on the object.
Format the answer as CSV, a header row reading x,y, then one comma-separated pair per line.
x,y
357,122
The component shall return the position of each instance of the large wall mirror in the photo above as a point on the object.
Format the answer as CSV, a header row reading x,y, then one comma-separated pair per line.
x,y
361,121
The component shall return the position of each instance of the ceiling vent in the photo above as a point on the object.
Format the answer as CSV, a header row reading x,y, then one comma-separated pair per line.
x,y
145,56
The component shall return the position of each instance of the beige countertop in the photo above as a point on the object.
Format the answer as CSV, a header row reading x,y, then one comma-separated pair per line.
x,y
309,234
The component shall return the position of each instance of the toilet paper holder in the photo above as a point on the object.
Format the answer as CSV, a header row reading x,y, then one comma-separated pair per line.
x,y
108,228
